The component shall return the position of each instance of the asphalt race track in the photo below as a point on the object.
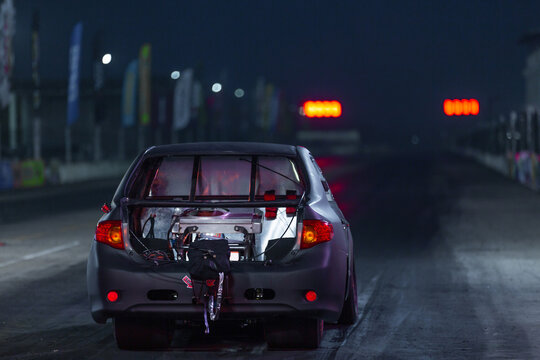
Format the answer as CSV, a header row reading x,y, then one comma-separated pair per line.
x,y
447,260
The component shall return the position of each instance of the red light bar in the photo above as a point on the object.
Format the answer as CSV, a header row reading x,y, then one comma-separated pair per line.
x,y
322,109
457,107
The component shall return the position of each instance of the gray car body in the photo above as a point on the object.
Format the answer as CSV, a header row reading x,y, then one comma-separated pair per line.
x,y
325,268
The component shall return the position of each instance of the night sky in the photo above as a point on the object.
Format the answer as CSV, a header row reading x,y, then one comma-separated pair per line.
x,y
391,63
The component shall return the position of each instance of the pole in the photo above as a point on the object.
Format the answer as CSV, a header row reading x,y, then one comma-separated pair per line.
x,y
97,142
37,138
140,137
36,95
121,143
12,122
68,144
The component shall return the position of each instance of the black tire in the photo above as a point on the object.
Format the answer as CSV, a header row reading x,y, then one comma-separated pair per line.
x,y
294,333
143,334
349,313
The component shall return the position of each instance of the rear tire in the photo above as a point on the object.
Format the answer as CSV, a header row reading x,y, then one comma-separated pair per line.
x,y
294,333
141,333
349,313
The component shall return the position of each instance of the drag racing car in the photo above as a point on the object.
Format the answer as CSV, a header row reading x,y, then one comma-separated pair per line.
x,y
208,232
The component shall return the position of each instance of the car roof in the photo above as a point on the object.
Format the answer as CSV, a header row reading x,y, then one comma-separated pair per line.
x,y
221,148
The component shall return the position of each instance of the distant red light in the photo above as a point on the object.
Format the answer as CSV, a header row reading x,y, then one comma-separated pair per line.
x,y
458,107
322,109
112,296
311,296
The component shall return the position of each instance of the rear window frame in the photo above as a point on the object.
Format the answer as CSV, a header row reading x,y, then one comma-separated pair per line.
x,y
139,188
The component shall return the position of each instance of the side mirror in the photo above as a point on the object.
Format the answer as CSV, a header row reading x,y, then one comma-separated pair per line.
x,y
106,208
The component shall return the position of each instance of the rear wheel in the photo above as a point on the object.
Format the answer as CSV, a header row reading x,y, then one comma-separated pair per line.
x,y
141,333
294,333
349,313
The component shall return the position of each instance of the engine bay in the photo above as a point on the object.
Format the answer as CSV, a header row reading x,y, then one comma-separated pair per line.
x,y
253,234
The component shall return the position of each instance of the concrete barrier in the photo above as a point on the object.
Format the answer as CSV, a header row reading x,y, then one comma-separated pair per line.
x,y
34,173
70,173
523,166
498,163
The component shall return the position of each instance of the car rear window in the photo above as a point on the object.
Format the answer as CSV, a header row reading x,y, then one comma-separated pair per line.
x,y
268,180
224,177
172,177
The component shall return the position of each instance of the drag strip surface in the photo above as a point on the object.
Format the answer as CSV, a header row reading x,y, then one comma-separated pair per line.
x,y
447,260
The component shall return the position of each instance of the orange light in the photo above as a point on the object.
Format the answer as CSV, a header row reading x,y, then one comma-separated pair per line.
x,y
448,107
311,296
459,107
112,296
322,108
475,107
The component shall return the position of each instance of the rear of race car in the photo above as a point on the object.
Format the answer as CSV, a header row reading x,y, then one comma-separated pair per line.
x,y
284,262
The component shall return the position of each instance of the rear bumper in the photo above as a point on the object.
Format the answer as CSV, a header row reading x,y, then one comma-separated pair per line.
x,y
321,269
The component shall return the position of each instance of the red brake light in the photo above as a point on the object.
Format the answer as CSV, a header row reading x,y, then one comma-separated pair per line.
x,y
112,296
271,212
311,296
315,232
110,232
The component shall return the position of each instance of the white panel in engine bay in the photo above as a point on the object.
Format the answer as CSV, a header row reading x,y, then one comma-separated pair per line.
x,y
229,222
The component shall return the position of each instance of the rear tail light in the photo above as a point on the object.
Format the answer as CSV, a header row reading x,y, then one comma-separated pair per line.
x,y
291,195
110,232
315,232
271,212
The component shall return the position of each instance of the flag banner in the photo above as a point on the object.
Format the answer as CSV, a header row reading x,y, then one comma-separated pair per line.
x,y
74,65
129,94
145,96
7,30
182,100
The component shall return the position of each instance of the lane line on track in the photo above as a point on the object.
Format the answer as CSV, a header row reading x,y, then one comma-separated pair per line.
x,y
364,300
41,253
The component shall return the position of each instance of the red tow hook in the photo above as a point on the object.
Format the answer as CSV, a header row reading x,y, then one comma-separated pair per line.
x,y
106,208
